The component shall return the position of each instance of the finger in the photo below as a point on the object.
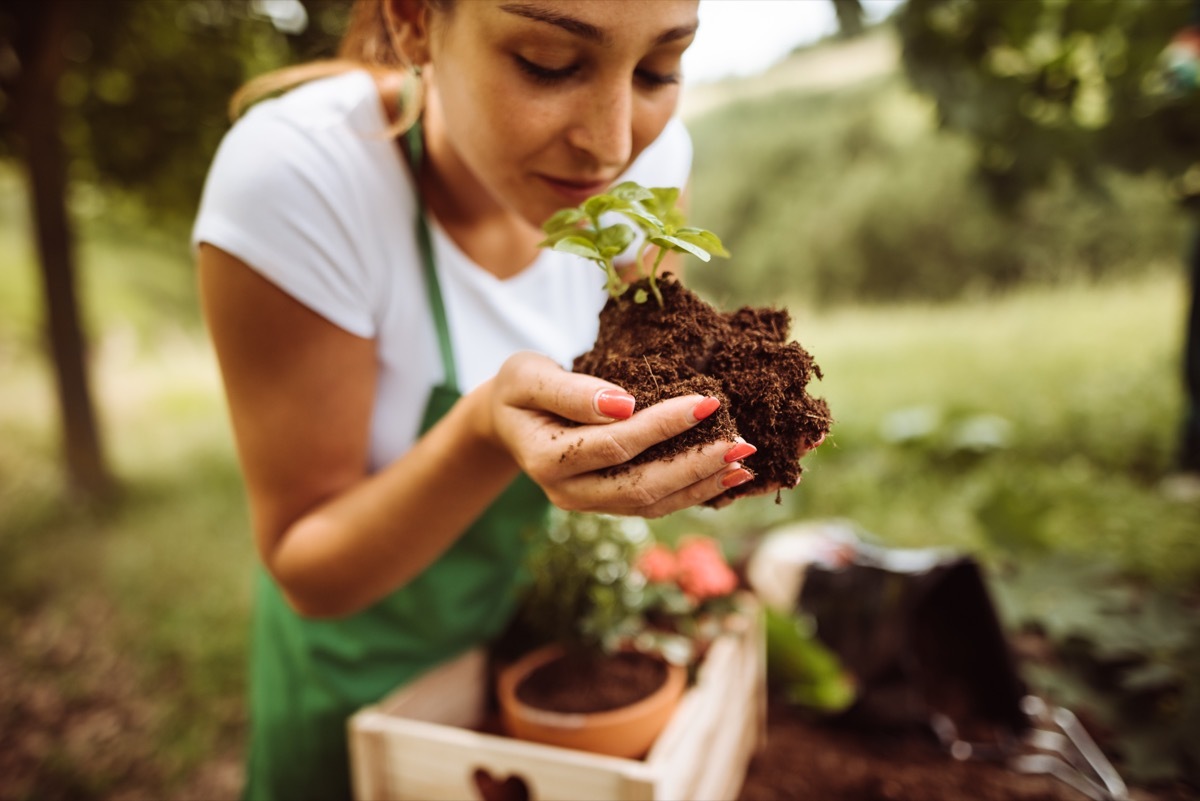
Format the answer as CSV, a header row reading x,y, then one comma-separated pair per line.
x,y
646,485
539,383
703,491
586,450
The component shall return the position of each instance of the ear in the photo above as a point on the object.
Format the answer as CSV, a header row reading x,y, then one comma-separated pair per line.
x,y
408,29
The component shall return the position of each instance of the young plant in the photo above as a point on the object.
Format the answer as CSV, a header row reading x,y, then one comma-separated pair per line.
x,y
579,231
603,584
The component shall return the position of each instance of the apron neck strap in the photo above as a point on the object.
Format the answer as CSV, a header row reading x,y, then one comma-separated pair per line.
x,y
414,149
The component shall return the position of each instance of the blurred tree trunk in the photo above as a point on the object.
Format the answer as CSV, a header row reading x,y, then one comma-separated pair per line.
x,y
850,18
42,26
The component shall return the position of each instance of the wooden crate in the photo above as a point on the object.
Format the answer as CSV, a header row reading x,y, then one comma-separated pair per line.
x,y
423,742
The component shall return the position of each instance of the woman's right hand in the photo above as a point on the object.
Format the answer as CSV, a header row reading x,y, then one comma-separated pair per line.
x,y
564,428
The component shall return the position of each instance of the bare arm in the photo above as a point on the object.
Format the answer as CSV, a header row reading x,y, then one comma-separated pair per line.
x,y
300,392
336,538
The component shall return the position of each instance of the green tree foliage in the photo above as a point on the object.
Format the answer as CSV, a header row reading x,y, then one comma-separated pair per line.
x,y
1045,84
856,195
146,84
129,95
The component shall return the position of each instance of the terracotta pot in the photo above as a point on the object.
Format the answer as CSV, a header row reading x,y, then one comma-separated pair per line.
x,y
626,732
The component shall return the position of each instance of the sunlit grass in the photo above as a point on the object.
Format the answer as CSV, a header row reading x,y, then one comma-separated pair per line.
x,y
1081,384
1035,356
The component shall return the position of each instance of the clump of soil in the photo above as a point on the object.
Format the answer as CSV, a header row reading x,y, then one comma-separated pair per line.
x,y
743,358
580,683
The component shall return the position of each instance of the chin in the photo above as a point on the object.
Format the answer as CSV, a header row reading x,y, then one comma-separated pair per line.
x,y
537,211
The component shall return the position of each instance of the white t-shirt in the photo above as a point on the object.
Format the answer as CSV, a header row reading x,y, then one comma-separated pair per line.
x,y
309,191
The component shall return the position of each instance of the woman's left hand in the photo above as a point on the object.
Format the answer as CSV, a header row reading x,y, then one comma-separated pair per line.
x,y
563,429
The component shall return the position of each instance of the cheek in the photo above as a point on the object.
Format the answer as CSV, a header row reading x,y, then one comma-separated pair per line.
x,y
507,125
651,117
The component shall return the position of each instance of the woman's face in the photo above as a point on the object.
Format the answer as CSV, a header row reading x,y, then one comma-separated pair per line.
x,y
544,103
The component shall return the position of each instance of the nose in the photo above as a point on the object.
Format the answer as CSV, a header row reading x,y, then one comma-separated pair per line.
x,y
603,124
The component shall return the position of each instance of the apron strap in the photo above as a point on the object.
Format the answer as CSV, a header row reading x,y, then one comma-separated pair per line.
x,y
414,148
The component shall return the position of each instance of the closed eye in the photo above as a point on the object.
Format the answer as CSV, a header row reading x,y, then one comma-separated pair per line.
x,y
549,76
545,75
657,79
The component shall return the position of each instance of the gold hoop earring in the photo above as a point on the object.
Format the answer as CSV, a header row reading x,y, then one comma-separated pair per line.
x,y
411,99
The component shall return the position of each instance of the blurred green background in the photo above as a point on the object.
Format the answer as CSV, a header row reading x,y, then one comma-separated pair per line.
x,y
981,237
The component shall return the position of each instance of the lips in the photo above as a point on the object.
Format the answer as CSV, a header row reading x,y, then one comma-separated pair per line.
x,y
574,192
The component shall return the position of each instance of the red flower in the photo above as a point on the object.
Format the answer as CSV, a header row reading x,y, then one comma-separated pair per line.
x,y
702,571
658,564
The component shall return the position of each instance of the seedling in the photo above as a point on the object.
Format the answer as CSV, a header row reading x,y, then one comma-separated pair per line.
x,y
579,231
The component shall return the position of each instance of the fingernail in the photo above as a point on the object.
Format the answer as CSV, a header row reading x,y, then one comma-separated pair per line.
x,y
704,408
736,478
817,444
615,404
740,451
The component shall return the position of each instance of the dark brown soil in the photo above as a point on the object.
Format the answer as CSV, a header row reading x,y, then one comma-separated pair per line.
x,y
803,759
591,683
743,358
807,760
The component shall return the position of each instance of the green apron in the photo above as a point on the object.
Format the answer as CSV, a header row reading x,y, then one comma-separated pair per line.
x,y
309,676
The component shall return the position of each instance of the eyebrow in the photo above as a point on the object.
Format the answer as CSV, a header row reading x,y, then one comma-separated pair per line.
x,y
586,30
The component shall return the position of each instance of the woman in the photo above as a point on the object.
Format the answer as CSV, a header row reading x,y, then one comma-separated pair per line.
x,y
393,343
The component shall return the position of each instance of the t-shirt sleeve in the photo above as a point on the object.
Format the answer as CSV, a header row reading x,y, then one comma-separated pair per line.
x,y
276,199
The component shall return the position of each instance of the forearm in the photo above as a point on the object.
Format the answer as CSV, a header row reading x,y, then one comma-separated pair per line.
x,y
382,531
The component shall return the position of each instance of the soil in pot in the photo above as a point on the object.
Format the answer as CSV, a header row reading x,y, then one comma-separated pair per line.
x,y
743,357
588,683
615,705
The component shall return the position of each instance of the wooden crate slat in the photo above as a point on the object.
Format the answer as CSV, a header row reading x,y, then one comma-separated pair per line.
x,y
422,742
716,680
735,739
455,694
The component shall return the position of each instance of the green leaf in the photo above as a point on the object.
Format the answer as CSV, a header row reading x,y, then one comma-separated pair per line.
x,y
645,220
641,296
614,239
557,236
664,200
665,206
570,231
579,246
601,204
665,196
563,219
809,673
631,191
674,243
705,239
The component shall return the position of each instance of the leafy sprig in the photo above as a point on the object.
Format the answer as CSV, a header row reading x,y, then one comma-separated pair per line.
x,y
602,584
579,231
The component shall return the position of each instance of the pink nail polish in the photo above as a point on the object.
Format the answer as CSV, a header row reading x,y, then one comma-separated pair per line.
x,y
740,451
704,408
736,478
615,404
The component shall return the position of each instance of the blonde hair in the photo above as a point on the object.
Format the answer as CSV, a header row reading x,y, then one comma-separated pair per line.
x,y
366,44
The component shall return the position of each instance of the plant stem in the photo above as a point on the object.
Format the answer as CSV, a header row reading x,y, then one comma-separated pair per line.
x,y
654,276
